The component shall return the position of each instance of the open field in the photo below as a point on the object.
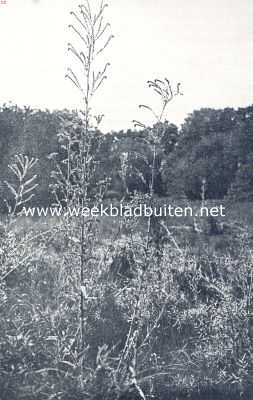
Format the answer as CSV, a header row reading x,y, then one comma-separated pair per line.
x,y
192,337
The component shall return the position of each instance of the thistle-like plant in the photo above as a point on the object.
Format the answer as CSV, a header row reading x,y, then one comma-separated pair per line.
x,y
166,93
132,356
74,176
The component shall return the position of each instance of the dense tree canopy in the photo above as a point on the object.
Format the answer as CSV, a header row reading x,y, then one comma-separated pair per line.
x,y
215,145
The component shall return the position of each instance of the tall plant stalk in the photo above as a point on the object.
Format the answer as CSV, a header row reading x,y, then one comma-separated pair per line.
x,y
164,89
128,364
92,32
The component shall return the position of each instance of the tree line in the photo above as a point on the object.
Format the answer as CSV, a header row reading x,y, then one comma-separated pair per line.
x,y
214,146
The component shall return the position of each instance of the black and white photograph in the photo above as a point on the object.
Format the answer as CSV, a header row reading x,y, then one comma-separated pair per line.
x,y
126,200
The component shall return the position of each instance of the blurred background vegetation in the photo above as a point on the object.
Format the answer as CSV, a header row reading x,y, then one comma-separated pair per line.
x,y
215,145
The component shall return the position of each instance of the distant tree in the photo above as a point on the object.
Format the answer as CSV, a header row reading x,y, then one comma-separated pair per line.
x,y
205,150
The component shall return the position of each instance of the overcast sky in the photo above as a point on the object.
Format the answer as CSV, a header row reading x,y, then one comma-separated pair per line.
x,y
207,45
